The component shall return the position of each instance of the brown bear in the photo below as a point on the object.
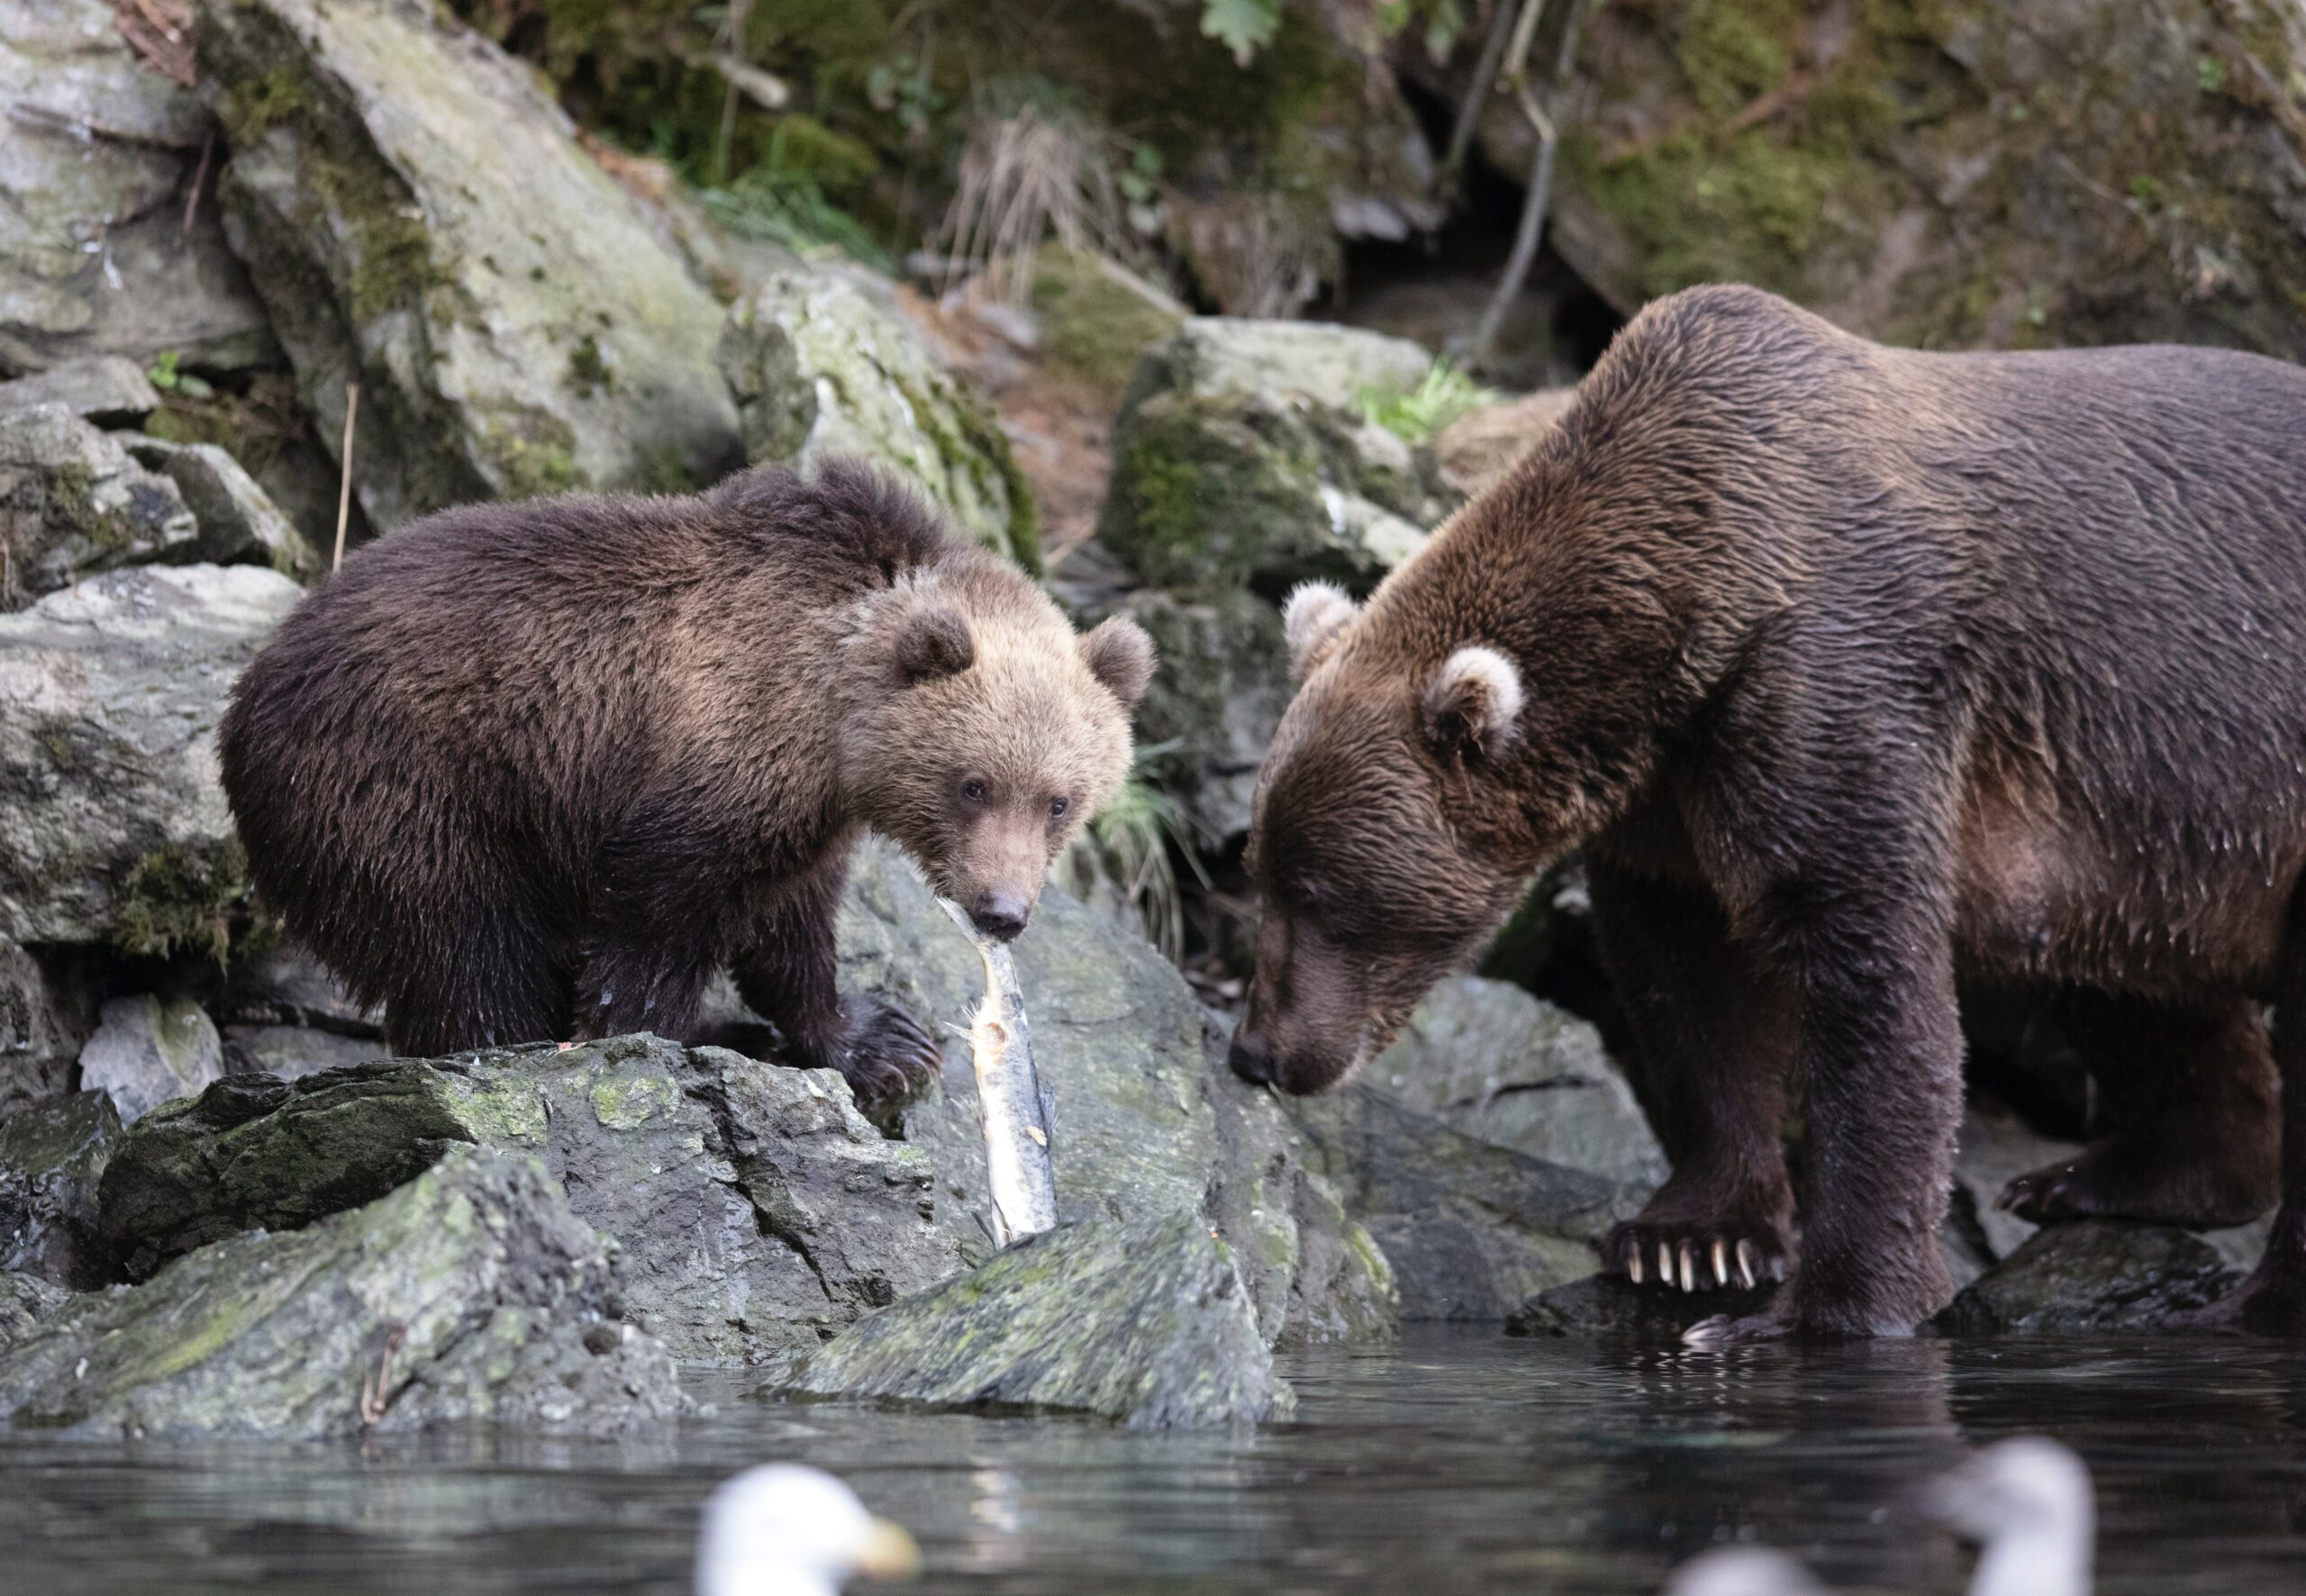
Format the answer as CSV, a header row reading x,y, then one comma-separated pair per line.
x,y
1856,670
536,771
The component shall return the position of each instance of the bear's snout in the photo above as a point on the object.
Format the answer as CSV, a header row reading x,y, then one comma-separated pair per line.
x,y
1251,1057
1000,914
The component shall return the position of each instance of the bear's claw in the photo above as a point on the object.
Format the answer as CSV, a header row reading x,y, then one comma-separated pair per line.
x,y
885,1056
1696,1258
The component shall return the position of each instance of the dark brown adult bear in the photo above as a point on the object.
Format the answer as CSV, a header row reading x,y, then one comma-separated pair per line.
x,y
1855,669
537,771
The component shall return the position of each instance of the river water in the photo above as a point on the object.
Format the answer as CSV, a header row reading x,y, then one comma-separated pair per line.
x,y
1458,1461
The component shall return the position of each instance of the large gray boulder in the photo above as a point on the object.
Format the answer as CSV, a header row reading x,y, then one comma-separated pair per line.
x,y
148,1050
99,152
417,215
1489,1059
1242,456
115,828
52,1156
472,1292
1146,1321
1472,1229
1146,1119
758,1210
73,501
819,369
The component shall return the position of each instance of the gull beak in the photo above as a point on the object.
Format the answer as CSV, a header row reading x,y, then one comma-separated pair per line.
x,y
888,1552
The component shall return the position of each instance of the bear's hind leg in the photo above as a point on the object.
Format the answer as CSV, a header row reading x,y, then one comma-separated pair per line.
x,y
1717,1032
2191,1093
482,977
2273,1300
784,969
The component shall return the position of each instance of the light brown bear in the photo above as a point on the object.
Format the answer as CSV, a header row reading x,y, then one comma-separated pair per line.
x,y
1855,669
536,771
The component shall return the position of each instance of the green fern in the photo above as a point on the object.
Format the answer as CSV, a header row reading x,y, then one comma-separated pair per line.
x,y
1417,416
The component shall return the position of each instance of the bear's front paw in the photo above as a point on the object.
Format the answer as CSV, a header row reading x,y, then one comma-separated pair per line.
x,y
1735,1246
884,1054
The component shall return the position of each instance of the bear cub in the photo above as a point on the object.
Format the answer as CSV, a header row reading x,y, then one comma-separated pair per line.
x,y
530,772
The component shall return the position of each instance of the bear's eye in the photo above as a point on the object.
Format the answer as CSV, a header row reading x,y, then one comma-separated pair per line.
x,y
973,790
1058,806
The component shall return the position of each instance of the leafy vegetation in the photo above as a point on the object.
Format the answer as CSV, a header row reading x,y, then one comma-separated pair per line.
x,y
1417,416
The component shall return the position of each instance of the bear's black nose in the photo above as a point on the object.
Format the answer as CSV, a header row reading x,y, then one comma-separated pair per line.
x,y
999,915
1250,1058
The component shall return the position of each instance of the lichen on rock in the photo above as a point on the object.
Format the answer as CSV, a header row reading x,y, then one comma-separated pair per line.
x,y
472,1292
818,370
418,216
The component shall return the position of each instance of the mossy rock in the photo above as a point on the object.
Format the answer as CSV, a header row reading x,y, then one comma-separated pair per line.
x,y
759,1211
1242,457
73,503
818,370
1145,1321
473,1289
1946,172
115,828
1096,319
417,215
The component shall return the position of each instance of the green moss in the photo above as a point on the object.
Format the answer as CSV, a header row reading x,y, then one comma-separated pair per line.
x,y
1092,326
391,264
175,899
628,1104
252,105
588,372
975,445
1202,495
1733,50
531,454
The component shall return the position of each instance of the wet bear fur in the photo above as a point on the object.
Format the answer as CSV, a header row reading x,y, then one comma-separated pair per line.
x,y
1856,670
537,771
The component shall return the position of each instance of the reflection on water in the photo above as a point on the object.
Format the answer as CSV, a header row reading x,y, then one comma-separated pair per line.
x,y
1461,1461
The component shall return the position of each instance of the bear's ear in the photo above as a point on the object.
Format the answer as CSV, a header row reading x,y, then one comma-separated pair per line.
x,y
1316,615
1120,654
933,642
1472,703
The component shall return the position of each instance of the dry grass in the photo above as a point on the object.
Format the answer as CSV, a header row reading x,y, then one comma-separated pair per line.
x,y
1027,175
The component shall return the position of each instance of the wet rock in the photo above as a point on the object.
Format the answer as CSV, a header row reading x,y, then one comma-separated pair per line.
x,y
2094,172
109,390
52,1155
1472,1229
238,522
417,215
1242,457
1476,449
1501,1066
759,1210
1145,1321
293,1051
818,370
1314,1273
72,502
114,827
26,1303
148,1051
1608,1305
473,1291
42,1029
2092,1276
1142,1122
95,256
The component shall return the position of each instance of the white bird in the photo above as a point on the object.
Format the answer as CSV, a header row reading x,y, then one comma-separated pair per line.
x,y
2026,1501
782,1530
